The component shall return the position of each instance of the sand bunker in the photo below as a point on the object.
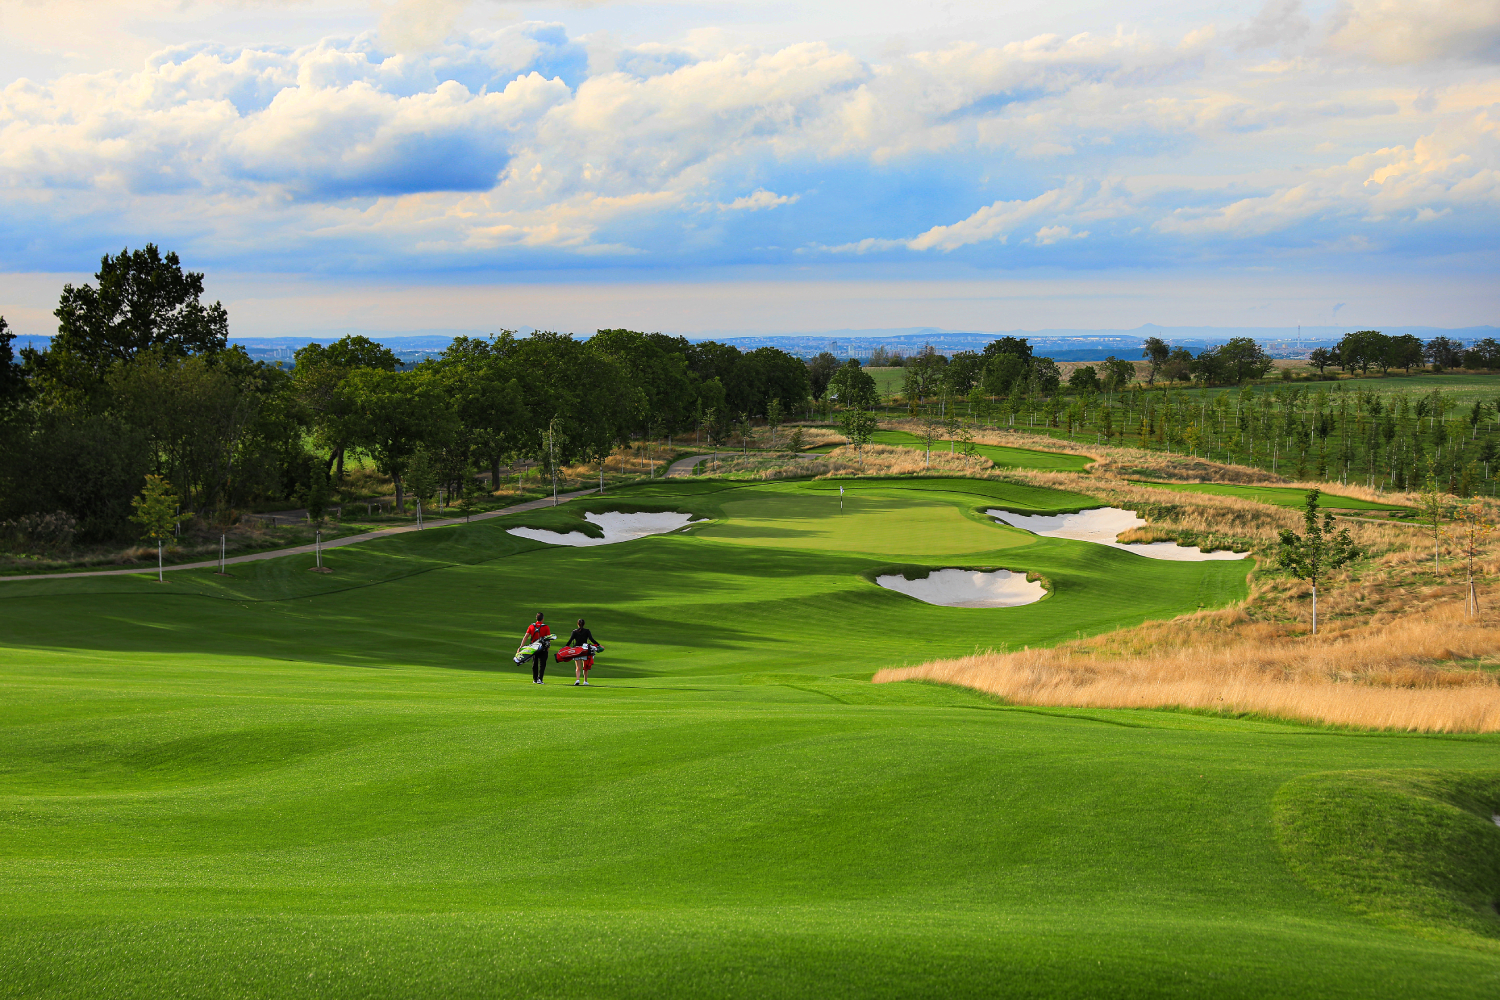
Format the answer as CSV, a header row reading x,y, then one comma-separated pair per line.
x,y
617,527
966,588
1103,525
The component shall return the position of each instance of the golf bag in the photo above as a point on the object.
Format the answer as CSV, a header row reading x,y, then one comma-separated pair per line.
x,y
569,653
540,646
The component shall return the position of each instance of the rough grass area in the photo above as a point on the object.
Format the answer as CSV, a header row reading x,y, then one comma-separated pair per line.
x,y
1400,675
910,434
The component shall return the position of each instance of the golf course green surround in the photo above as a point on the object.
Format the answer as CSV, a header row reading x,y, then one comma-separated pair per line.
x,y
287,784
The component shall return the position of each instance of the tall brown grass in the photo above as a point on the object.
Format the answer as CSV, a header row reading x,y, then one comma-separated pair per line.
x,y
888,460
877,460
1398,675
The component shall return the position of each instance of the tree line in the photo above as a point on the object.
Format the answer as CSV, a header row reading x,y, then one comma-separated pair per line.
x,y
141,380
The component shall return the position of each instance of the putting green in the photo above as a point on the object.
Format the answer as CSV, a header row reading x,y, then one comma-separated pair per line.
x,y
1281,496
287,784
880,524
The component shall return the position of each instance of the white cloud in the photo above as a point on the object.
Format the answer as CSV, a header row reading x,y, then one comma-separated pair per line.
x,y
1279,22
1418,31
419,25
757,200
450,141
1048,235
1458,166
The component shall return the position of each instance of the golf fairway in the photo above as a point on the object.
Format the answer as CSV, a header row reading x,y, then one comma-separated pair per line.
x,y
292,784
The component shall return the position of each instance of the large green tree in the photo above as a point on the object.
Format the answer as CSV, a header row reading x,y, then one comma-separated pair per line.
x,y
1018,347
1235,361
852,386
482,381
965,370
660,373
199,414
319,378
1003,372
1363,348
142,300
819,370
590,390
1155,351
397,414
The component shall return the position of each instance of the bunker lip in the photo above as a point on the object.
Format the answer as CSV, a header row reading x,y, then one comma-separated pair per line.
x,y
1102,525
967,588
617,526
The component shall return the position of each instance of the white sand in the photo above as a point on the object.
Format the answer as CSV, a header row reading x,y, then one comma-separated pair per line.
x,y
618,527
1103,525
964,588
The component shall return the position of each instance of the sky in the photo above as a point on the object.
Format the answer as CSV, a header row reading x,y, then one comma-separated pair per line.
x,y
707,167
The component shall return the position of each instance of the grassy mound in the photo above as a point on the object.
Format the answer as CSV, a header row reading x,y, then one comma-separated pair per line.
x,y
1416,849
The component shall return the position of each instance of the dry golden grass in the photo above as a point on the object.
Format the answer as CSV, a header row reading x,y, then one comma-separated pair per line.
x,y
878,460
887,460
1398,675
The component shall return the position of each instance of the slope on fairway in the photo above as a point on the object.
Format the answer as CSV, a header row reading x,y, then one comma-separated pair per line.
x,y
209,789
1281,496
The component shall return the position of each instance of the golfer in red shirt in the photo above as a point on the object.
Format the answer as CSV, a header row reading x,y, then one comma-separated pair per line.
x,y
538,630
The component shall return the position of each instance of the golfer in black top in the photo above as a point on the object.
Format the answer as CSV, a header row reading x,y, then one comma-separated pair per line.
x,y
582,665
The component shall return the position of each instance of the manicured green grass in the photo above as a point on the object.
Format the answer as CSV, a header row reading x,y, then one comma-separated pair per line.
x,y
1415,849
286,784
1281,496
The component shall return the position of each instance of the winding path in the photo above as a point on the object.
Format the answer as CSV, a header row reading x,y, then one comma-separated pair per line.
x,y
300,549
685,466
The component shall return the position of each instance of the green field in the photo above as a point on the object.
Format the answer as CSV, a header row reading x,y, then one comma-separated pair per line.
x,y
287,784
888,381
1281,496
